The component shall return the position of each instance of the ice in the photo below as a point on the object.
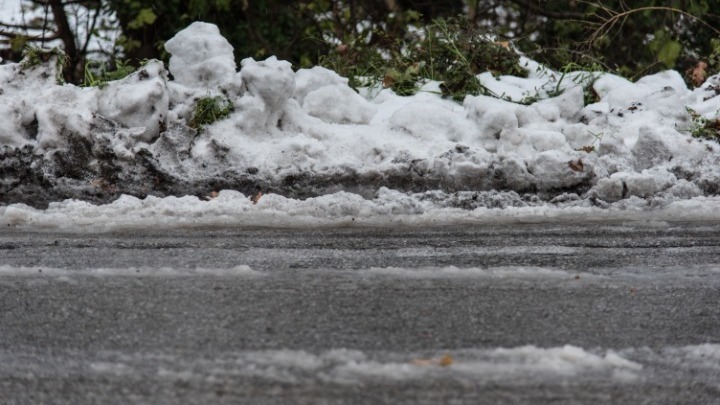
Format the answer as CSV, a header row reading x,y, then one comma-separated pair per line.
x,y
315,147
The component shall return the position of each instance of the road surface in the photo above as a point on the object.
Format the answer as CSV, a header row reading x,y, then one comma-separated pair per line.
x,y
528,313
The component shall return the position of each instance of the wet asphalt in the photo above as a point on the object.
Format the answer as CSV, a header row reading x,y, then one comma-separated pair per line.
x,y
152,316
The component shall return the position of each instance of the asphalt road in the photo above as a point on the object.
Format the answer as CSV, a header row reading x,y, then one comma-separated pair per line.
x,y
363,315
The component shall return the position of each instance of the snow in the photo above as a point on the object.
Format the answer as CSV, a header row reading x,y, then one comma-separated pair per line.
x,y
564,367
389,208
201,57
371,158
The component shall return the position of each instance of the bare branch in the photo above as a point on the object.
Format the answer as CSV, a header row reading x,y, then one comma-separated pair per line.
x,y
30,38
90,30
540,10
24,27
619,17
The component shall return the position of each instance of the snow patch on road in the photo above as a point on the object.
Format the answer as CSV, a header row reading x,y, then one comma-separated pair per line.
x,y
510,272
388,208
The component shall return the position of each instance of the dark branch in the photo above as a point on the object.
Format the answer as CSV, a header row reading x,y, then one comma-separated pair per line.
x,y
31,38
540,10
20,26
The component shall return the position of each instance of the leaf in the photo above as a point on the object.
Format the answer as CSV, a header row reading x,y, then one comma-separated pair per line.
x,y
576,165
698,74
446,361
669,52
146,16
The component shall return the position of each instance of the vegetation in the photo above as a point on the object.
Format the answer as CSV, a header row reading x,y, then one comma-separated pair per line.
x,y
451,51
98,74
210,109
701,127
33,56
398,41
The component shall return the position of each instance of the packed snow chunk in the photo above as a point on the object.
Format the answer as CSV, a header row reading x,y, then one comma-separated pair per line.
x,y
650,150
558,170
139,100
512,173
685,190
580,136
566,106
269,84
309,80
528,141
11,133
430,121
649,89
512,88
338,104
607,83
491,115
61,111
22,87
623,185
705,100
201,57
650,182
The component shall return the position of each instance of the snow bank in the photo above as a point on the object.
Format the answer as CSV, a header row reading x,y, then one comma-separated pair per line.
x,y
305,134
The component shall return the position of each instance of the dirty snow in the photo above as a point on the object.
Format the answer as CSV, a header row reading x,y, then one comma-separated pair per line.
x,y
323,154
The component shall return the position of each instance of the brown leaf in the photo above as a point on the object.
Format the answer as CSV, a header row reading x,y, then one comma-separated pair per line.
x,y
576,165
388,81
256,197
587,149
422,362
446,361
698,73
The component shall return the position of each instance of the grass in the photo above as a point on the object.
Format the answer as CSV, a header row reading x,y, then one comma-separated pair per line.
x,y
701,127
33,56
451,51
97,74
209,110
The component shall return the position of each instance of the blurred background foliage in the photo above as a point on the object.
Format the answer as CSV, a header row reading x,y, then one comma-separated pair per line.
x,y
395,40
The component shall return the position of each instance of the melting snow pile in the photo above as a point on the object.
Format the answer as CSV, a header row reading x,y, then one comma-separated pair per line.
x,y
306,133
